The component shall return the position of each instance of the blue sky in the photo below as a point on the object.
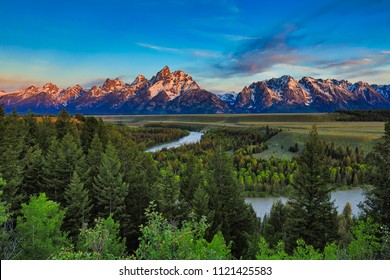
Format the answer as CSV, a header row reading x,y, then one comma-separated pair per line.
x,y
223,44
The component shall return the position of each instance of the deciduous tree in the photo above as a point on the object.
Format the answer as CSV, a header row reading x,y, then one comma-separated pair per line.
x,y
39,227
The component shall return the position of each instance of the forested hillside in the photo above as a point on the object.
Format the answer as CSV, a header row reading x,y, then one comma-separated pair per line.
x,y
79,188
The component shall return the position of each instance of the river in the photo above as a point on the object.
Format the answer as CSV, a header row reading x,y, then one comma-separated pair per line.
x,y
193,137
263,205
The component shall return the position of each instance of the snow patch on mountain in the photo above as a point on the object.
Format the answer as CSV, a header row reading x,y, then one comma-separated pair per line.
x,y
229,97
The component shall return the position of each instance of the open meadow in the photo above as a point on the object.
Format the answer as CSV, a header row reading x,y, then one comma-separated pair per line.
x,y
295,128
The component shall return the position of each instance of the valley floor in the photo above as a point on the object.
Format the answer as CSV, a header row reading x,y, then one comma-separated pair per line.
x,y
295,128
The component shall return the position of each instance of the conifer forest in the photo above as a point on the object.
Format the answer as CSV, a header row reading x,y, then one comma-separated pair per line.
x,y
75,187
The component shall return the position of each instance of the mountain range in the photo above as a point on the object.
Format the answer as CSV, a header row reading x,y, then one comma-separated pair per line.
x,y
177,93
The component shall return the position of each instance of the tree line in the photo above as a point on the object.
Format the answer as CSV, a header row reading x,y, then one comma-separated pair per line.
x,y
378,115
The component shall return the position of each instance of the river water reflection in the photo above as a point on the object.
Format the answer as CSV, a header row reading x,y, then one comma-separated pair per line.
x,y
193,137
263,205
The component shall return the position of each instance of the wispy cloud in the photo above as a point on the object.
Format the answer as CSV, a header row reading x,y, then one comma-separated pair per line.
x,y
346,64
191,52
372,63
159,48
14,83
93,82
238,37
100,81
262,54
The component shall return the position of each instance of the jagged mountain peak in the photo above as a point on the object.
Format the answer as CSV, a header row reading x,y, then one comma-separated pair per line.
x,y
96,91
75,88
285,94
32,89
70,93
277,84
362,84
51,88
140,79
165,72
48,85
307,79
112,85
173,84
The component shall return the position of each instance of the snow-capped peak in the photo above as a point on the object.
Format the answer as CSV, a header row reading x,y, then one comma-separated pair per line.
x,y
51,88
173,84
278,84
112,85
165,72
140,79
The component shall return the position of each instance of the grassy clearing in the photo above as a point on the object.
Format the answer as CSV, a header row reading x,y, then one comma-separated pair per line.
x,y
218,120
361,134
295,128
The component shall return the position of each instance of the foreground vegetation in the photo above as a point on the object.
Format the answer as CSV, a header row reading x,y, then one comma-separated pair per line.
x,y
84,189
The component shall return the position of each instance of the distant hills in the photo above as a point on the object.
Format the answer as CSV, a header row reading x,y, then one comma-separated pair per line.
x,y
177,93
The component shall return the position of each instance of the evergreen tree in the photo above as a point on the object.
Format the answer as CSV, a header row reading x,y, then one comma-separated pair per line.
x,y
109,188
11,170
192,179
51,171
274,231
2,112
94,157
232,216
377,202
338,179
46,131
61,161
169,193
200,204
345,225
71,158
12,149
312,215
88,132
141,173
40,228
355,181
33,166
3,212
78,205
102,132
32,128
64,124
